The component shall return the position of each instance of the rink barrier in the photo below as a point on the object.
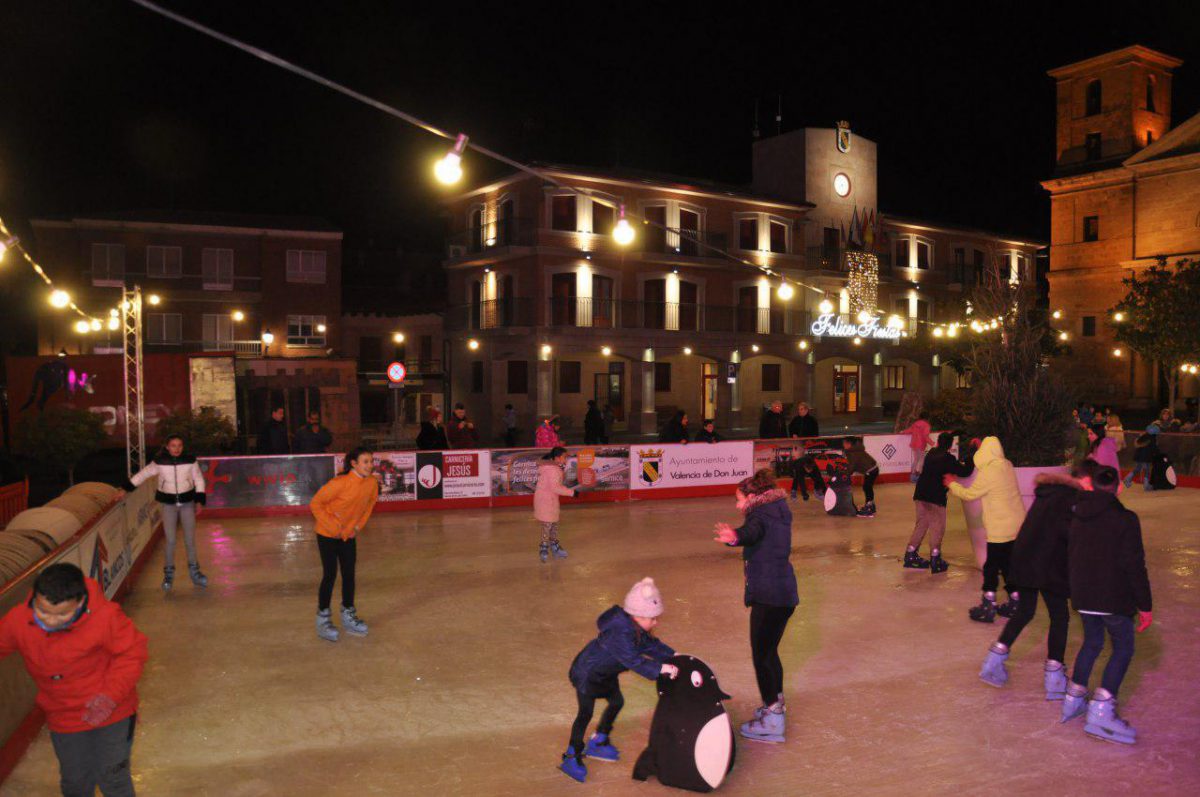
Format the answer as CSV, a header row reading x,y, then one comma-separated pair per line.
x,y
113,547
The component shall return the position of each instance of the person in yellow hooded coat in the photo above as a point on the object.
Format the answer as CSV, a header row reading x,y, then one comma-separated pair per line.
x,y
1003,513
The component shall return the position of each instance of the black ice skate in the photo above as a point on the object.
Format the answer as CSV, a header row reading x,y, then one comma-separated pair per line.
x,y
985,612
913,560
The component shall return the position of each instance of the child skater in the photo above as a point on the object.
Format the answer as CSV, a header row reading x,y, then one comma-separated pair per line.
x,y
771,594
1109,584
342,507
179,488
929,496
546,498
1039,566
625,643
861,462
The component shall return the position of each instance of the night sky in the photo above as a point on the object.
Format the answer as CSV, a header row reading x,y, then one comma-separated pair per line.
x,y
109,107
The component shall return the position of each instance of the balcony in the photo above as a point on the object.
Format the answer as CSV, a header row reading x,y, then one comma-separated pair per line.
x,y
491,236
686,243
491,314
240,348
672,316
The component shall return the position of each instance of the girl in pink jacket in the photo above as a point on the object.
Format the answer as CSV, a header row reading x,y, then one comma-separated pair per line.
x,y
547,433
545,501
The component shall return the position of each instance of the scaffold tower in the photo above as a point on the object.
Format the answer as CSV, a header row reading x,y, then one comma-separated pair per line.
x,y
135,428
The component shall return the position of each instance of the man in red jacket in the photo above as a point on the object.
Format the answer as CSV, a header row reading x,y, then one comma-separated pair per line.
x,y
86,657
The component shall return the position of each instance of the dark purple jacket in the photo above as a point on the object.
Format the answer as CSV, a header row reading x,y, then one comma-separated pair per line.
x,y
622,645
766,540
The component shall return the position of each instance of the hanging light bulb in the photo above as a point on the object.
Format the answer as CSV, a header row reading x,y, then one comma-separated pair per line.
x,y
60,298
114,323
397,337
952,332
1057,314
623,230
803,345
114,312
96,325
154,299
238,315
687,349
1063,336
937,332
321,328
1118,317
606,350
1116,352
858,341
473,344
82,327
7,244
754,347
863,316
826,307
785,291
448,170
894,322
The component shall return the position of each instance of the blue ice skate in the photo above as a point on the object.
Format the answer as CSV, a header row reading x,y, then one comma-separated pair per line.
x,y
767,727
1074,702
1055,680
993,671
1103,723
558,551
573,767
601,749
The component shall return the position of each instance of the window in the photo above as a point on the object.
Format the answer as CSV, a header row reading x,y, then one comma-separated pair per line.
x,y
218,332
960,256
306,330
164,328
1091,228
1150,82
748,234
662,377
779,236
831,241
602,301
164,261
689,227
1092,101
562,214
893,377
602,219
563,303
900,307
108,265
963,380
771,377
1091,146
689,305
902,253
518,377
216,266
924,254
370,354
655,231
305,266
569,376
477,376
1089,326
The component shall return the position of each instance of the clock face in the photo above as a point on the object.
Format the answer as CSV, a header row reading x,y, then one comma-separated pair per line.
x,y
841,184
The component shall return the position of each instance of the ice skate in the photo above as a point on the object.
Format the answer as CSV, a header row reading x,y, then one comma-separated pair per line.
x,y
600,748
558,551
325,629
351,623
168,578
198,578
1009,607
913,560
985,612
1074,702
766,728
937,564
1103,723
1055,679
867,510
543,552
994,672
573,766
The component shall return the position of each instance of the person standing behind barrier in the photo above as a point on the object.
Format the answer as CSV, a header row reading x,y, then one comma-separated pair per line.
x,y
461,431
676,429
273,435
802,426
918,441
708,432
771,593
593,425
546,501
342,507
180,487
1003,514
432,436
773,425
509,419
85,657
930,500
546,435
312,437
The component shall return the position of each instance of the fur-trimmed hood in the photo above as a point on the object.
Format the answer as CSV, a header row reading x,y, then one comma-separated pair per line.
x,y
762,499
1063,479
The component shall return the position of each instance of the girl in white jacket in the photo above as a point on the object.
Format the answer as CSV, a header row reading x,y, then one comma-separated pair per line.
x,y
180,487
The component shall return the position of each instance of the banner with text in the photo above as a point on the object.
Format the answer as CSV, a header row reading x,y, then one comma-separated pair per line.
x,y
591,468
654,467
265,481
453,474
891,451
782,456
396,472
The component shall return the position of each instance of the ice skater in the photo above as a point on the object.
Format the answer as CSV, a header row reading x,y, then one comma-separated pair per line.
x,y
180,487
929,497
918,441
1039,566
859,461
546,497
1003,513
342,507
625,643
765,537
806,467
1109,584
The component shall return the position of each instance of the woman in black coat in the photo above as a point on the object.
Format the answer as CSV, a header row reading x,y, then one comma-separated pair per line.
x,y
676,430
771,594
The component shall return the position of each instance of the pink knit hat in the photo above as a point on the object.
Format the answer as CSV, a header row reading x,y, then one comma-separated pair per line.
x,y
644,599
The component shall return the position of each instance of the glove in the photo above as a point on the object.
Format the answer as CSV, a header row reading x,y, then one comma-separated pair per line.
x,y
1144,620
201,499
669,670
99,709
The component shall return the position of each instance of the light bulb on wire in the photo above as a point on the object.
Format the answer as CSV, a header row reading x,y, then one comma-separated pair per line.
x,y
7,244
785,291
826,307
448,170
82,327
60,298
96,325
114,323
623,230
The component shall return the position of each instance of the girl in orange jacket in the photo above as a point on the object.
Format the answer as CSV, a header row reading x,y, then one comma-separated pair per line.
x,y
342,507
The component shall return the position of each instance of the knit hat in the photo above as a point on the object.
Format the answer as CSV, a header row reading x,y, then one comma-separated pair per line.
x,y
644,599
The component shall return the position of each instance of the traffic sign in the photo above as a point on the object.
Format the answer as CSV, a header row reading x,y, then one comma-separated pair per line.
x,y
396,372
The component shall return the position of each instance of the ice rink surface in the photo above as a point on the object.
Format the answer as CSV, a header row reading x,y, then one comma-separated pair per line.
x,y
461,687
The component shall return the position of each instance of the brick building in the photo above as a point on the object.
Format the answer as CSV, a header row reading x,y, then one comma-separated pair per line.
x,y
547,311
1126,192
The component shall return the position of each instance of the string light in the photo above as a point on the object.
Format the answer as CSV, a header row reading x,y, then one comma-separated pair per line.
x,y
6,244
785,291
605,350
82,327
60,298
473,344
96,325
448,169
398,337
937,332
826,307
623,231
238,315
894,322
114,323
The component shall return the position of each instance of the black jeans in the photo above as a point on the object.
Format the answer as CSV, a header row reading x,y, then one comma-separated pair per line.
x,y
1060,620
99,757
587,707
1120,628
998,556
800,474
767,624
869,484
335,551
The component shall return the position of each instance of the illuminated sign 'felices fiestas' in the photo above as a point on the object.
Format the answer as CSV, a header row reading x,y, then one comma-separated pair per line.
x,y
830,325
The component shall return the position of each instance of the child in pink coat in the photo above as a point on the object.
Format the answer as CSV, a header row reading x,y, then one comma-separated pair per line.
x,y
545,501
918,441
546,435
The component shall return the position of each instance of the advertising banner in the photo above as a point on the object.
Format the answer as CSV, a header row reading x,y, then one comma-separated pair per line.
x,y
781,456
592,468
655,467
142,516
891,451
396,471
265,481
453,474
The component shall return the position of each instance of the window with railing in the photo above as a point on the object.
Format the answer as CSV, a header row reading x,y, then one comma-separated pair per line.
x,y
748,234
218,332
689,232
563,213
779,237
108,265
216,266
164,329
603,309
306,330
893,377
164,262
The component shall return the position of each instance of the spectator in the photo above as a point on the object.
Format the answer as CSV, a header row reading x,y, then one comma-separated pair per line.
x,y
1114,430
312,438
547,433
593,425
773,425
510,426
461,432
1101,449
676,429
708,433
273,436
432,436
609,419
804,424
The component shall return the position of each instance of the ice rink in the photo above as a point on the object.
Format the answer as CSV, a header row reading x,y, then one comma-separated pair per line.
x,y
461,687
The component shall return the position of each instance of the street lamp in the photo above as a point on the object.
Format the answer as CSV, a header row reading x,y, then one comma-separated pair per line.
x,y
82,327
267,338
